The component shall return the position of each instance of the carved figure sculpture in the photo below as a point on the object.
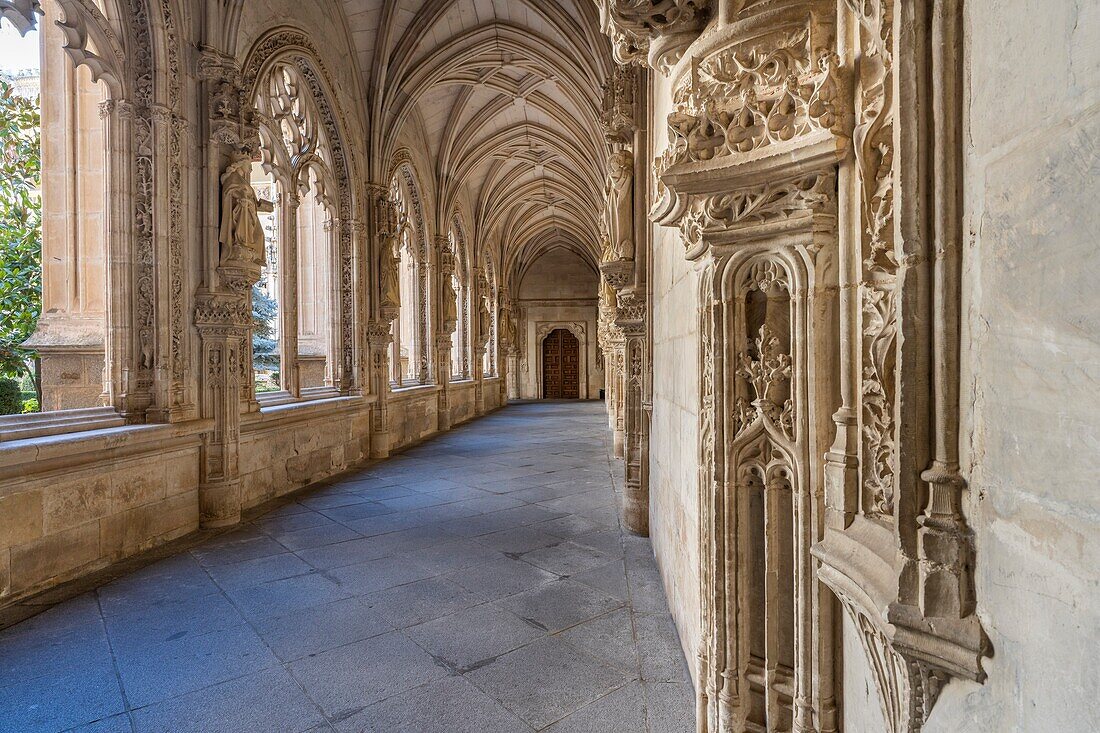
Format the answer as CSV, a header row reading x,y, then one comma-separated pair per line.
x,y
620,204
450,302
508,328
391,286
241,236
485,321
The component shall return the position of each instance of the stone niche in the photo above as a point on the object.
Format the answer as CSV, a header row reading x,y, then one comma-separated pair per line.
x,y
826,298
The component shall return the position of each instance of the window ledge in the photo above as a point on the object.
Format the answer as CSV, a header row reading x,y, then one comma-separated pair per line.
x,y
413,390
26,456
306,409
37,425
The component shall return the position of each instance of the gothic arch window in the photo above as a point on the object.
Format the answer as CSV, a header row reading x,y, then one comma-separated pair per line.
x,y
294,303
410,359
489,292
75,272
460,282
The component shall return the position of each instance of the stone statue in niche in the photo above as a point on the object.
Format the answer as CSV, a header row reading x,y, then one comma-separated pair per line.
x,y
608,296
391,286
485,321
241,235
450,302
508,333
619,191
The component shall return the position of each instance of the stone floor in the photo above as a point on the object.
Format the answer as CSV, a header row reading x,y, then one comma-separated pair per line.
x,y
479,582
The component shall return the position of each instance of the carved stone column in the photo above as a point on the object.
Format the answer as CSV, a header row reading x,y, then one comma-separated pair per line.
x,y
480,337
447,320
224,321
382,231
289,203
631,320
508,339
223,305
897,550
379,338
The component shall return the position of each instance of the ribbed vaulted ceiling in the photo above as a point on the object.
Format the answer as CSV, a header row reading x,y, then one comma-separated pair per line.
x,y
502,98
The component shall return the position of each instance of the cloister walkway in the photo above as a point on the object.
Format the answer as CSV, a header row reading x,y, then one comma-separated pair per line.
x,y
478,582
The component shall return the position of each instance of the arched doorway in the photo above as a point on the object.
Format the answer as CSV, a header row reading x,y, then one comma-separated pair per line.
x,y
561,375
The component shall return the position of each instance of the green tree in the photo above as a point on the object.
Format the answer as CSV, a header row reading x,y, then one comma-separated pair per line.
x,y
20,228
264,313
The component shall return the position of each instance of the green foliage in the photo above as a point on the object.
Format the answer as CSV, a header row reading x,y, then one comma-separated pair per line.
x,y
11,399
30,405
20,228
265,312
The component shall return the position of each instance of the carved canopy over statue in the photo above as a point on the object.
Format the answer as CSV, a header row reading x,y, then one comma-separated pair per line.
x,y
241,235
619,191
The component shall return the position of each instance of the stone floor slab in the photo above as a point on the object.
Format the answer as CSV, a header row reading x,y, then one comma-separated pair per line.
x,y
496,548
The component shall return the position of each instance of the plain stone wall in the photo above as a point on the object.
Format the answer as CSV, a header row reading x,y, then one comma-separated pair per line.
x,y
92,503
460,398
281,452
1031,390
414,415
673,457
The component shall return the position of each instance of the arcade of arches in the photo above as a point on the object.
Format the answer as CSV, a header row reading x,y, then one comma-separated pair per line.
x,y
826,262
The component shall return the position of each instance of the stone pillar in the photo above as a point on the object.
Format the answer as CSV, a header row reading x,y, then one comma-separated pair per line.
x,y
382,230
289,379
223,304
70,335
224,321
481,338
447,321
379,338
618,431
509,343
635,441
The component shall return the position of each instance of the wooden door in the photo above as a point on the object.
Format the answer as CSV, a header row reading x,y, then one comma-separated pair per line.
x,y
561,366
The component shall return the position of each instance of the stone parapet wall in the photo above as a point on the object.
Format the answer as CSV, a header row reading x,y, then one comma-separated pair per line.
x,y
97,508
71,505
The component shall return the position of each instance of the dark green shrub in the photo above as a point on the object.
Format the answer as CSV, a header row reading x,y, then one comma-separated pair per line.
x,y
11,397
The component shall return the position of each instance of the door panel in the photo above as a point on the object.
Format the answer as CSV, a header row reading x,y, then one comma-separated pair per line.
x,y
561,366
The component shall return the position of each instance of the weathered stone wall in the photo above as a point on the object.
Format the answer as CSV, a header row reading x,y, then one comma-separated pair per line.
x,y
70,505
73,504
1031,382
413,415
289,447
460,397
673,456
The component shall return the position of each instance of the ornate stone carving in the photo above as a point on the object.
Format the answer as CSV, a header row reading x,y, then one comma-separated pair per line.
x,y
657,29
241,234
757,204
741,100
897,554
23,14
619,193
765,365
619,113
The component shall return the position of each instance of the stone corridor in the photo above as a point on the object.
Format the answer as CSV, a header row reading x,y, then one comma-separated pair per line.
x,y
477,582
